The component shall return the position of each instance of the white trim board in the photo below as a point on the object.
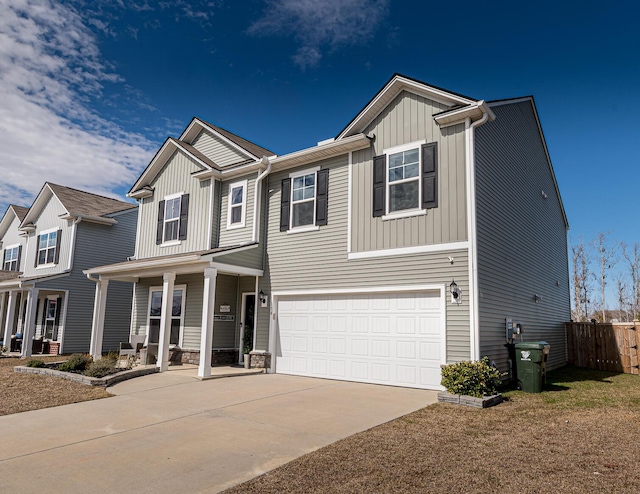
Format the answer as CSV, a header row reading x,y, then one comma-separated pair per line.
x,y
418,249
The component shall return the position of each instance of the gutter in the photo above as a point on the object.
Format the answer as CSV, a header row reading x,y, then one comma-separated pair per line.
x,y
470,127
256,203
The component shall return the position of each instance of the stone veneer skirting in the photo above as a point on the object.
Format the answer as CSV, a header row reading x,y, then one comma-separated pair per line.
x,y
177,357
260,360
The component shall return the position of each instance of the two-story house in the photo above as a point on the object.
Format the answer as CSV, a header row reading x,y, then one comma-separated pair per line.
x,y
48,301
404,243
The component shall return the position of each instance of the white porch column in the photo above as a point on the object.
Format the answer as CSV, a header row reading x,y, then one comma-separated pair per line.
x,y
3,298
165,321
97,325
208,309
11,312
30,323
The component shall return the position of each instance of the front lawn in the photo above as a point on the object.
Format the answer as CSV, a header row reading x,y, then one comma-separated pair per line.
x,y
20,392
581,435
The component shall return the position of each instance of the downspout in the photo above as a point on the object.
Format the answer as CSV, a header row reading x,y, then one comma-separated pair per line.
x,y
473,244
256,203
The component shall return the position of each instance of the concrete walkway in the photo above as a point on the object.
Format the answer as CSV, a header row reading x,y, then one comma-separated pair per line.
x,y
170,432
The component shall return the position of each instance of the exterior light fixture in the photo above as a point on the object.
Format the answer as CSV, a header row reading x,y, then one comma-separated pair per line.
x,y
263,299
456,293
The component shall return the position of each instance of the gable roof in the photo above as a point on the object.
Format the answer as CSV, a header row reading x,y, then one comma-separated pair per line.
x,y
393,88
250,149
75,202
12,212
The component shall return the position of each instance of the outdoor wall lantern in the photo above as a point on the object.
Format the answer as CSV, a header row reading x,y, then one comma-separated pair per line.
x,y
263,299
456,293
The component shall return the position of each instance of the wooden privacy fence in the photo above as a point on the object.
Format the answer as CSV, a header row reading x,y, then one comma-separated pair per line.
x,y
604,346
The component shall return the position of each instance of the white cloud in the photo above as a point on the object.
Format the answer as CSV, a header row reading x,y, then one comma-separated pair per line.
x,y
50,72
319,25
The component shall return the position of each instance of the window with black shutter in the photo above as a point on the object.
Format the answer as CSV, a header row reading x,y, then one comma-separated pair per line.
x,y
304,200
173,215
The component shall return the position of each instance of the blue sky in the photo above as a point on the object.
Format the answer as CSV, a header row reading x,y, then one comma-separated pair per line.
x,y
90,89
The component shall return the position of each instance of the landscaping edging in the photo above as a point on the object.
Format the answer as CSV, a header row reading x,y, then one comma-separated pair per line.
x,y
90,381
470,401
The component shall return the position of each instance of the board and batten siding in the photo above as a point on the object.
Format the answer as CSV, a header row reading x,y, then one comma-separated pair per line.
x,y
224,332
175,178
49,219
521,236
409,119
97,245
217,150
318,260
243,235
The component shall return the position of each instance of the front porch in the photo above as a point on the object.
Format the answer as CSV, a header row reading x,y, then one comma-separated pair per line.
x,y
191,309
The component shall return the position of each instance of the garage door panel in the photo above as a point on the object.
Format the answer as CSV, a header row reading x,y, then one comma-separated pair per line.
x,y
391,338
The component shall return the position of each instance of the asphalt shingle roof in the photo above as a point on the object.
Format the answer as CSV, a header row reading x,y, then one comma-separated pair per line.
x,y
85,203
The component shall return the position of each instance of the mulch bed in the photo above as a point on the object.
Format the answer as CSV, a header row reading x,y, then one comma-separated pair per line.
x,y
532,443
20,392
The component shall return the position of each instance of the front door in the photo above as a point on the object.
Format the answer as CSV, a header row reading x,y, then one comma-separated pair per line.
x,y
246,324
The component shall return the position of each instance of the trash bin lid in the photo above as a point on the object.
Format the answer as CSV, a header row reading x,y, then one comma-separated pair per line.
x,y
533,345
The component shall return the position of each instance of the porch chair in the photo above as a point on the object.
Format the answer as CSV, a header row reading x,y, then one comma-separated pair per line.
x,y
132,347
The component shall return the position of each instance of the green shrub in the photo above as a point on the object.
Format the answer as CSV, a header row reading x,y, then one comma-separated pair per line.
x,y
77,362
34,362
101,368
471,378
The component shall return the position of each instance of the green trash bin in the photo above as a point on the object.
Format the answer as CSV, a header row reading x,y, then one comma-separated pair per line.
x,y
531,363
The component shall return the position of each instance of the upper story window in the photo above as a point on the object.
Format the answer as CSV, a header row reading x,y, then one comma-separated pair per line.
x,y
11,260
173,212
304,200
405,180
237,198
48,247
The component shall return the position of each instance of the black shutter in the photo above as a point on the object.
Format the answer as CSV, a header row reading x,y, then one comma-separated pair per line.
x,y
35,264
160,230
322,197
285,201
430,175
19,257
57,253
184,214
379,184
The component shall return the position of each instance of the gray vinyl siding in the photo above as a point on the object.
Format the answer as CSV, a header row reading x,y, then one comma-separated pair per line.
x,y
237,236
48,220
174,178
97,245
11,237
409,119
521,237
224,332
318,260
250,258
215,227
217,150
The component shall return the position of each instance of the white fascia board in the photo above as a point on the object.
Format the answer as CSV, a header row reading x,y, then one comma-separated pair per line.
x,y
202,125
318,153
6,221
91,219
37,206
139,265
403,251
391,90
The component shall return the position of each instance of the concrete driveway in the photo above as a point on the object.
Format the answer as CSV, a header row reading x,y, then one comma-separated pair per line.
x,y
170,432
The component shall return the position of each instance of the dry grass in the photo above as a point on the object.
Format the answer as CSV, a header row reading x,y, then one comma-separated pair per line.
x,y
20,392
579,436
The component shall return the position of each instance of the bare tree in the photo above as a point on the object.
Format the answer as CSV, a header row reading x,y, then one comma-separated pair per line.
x,y
581,281
632,258
606,259
623,300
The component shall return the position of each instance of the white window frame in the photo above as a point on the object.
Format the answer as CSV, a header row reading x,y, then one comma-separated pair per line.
x,y
184,298
7,249
312,226
47,301
404,213
38,249
176,241
243,205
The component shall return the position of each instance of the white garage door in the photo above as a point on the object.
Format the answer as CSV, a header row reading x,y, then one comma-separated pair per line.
x,y
383,338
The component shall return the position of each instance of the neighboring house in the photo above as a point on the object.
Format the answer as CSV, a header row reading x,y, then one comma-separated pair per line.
x,y
404,243
48,299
